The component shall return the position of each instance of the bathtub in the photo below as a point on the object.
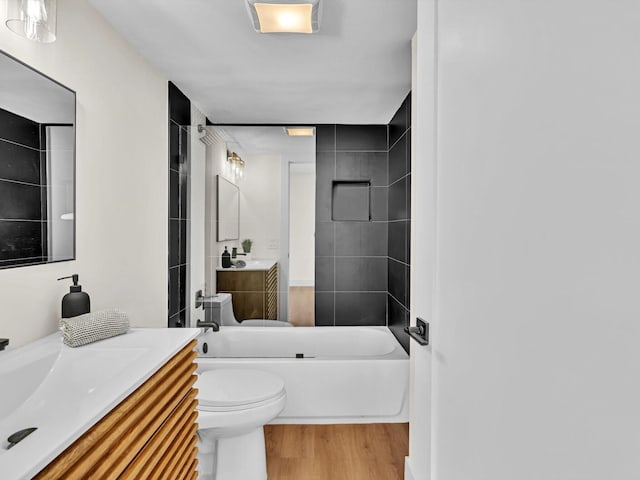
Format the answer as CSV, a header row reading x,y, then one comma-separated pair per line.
x,y
331,374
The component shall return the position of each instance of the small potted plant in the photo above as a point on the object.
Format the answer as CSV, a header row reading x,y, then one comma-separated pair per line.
x,y
246,247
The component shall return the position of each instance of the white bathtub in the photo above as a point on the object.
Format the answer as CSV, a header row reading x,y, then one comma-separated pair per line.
x,y
347,375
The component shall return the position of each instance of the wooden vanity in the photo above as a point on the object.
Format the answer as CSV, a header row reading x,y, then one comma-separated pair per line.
x,y
149,435
254,289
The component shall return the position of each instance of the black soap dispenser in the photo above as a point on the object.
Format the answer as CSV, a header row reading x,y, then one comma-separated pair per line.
x,y
76,302
226,258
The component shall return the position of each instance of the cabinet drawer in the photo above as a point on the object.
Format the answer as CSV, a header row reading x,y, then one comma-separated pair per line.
x,y
241,281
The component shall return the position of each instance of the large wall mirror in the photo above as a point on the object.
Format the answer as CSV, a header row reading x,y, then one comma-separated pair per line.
x,y
228,218
37,167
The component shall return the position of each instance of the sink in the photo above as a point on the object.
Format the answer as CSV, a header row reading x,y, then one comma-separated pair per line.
x,y
60,391
21,374
44,377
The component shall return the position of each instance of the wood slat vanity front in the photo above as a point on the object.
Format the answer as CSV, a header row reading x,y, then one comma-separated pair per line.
x,y
149,435
254,292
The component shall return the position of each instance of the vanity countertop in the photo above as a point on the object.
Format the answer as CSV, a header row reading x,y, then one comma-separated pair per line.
x,y
252,265
63,391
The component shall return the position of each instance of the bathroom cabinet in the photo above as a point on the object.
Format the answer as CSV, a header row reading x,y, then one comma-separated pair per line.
x,y
254,291
151,434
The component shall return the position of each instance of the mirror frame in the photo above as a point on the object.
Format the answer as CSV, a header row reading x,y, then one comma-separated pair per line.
x,y
74,164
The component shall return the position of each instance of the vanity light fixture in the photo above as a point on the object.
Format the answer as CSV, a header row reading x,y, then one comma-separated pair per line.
x,y
236,164
300,131
32,19
284,16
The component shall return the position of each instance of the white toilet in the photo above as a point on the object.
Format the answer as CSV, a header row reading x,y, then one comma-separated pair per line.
x,y
219,309
233,407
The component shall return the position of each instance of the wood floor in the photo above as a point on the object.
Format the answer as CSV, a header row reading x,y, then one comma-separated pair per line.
x,y
337,452
302,306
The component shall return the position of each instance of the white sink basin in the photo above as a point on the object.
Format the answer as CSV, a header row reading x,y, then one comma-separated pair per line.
x,y
63,391
21,374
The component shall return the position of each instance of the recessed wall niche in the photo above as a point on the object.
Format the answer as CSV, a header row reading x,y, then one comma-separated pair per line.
x,y
351,201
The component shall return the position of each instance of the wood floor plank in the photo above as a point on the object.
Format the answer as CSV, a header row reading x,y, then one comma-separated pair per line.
x,y
301,306
337,452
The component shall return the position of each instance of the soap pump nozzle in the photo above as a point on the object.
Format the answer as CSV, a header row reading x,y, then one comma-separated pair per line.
x,y
75,287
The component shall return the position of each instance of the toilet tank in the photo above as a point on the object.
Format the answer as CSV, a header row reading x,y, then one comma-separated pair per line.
x,y
219,309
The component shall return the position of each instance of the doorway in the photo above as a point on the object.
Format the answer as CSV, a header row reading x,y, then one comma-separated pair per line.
x,y
302,207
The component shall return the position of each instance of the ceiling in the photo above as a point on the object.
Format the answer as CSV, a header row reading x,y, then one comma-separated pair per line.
x,y
356,70
267,141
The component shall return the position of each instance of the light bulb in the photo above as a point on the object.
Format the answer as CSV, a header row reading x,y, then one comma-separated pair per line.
x,y
35,14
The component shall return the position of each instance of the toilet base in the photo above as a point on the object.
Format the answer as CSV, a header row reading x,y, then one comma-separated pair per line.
x,y
232,458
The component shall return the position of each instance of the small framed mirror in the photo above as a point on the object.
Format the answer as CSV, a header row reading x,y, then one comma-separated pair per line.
x,y
228,210
37,167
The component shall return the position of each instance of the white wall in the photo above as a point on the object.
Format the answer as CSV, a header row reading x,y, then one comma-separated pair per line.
x,y
302,224
260,204
122,151
535,331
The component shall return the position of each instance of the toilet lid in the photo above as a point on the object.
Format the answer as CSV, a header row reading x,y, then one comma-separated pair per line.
x,y
228,387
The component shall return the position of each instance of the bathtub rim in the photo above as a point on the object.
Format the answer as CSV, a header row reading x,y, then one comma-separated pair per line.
x,y
398,352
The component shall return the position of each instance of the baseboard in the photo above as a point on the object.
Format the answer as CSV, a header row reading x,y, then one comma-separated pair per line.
x,y
408,474
301,283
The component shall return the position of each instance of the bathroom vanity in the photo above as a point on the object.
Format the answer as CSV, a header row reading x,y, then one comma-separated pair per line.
x,y
254,289
124,407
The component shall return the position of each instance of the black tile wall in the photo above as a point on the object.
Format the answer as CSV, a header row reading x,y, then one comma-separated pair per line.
x,y
362,267
351,251
20,130
179,106
19,163
398,240
179,121
399,227
361,274
360,238
360,308
19,241
20,201
325,274
324,309
398,320
23,206
358,165
325,238
326,138
398,200
398,160
174,243
361,138
398,280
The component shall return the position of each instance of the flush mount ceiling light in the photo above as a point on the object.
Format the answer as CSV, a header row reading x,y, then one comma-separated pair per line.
x,y
300,131
285,16
32,19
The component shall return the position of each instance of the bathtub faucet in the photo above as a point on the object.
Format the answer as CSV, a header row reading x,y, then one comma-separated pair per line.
x,y
212,325
3,343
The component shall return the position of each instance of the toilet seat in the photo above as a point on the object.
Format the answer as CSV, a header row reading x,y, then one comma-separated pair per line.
x,y
227,390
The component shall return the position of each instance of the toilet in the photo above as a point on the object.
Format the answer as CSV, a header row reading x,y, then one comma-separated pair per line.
x,y
233,407
219,309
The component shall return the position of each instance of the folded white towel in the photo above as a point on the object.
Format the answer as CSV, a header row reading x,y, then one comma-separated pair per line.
x,y
91,327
